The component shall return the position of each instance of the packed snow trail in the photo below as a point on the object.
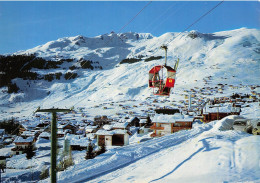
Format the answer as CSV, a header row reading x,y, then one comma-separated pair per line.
x,y
124,156
212,156
206,153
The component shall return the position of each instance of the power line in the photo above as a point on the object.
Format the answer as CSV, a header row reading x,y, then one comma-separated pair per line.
x,y
120,30
135,16
196,21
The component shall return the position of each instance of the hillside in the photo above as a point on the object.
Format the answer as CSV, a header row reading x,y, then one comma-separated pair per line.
x,y
107,76
228,57
207,153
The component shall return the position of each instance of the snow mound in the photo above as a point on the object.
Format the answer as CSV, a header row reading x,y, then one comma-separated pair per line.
x,y
226,123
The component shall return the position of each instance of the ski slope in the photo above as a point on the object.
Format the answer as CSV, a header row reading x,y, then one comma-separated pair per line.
x,y
228,57
207,153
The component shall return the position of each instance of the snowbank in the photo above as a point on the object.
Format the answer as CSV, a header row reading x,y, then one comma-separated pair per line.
x,y
226,123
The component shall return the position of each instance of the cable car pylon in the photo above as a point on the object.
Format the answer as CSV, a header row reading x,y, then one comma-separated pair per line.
x,y
162,86
165,48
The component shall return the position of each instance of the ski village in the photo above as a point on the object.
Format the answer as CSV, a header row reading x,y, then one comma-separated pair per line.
x,y
132,107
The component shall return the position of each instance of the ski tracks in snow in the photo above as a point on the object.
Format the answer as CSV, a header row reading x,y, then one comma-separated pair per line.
x,y
122,157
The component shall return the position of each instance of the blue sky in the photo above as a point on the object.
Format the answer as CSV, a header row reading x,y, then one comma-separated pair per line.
x,y
24,25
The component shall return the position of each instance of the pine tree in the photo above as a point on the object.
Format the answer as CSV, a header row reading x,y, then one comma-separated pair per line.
x,y
102,149
30,152
90,152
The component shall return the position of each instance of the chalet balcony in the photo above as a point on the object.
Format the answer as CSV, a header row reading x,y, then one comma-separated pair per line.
x,y
155,135
157,128
176,129
22,148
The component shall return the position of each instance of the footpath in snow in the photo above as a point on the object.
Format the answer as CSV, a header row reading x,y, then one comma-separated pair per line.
x,y
209,152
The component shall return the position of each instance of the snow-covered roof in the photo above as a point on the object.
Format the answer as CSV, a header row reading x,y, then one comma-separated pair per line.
x,y
185,119
21,139
60,126
143,121
78,140
162,118
45,134
221,109
29,133
120,125
105,132
89,130
107,127
131,119
91,127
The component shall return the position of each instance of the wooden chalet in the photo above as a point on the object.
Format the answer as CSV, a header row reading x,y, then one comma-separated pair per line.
x,y
66,128
145,121
78,142
167,124
22,144
134,121
45,135
121,126
33,134
91,129
101,120
182,124
216,113
43,125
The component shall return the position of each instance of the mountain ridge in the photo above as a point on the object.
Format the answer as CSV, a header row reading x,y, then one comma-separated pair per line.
x,y
228,57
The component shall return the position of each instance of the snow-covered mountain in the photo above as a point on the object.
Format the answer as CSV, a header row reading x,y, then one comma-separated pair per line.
x,y
110,85
228,57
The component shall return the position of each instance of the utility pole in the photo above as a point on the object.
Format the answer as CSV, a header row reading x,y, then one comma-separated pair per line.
x,y
189,101
0,173
53,140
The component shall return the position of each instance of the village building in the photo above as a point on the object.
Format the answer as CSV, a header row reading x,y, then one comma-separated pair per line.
x,y
134,121
81,130
142,122
183,124
26,127
167,124
122,126
78,142
22,144
101,120
33,134
43,125
65,128
211,113
112,138
108,127
45,135
91,129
